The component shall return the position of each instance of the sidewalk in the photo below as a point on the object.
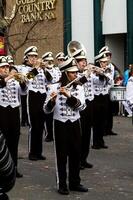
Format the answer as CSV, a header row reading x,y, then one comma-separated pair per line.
x,y
111,178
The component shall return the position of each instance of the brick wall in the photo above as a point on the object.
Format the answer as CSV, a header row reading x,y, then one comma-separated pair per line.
x,y
46,35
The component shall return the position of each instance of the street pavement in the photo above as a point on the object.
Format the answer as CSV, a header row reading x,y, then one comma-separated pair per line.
x,y
111,178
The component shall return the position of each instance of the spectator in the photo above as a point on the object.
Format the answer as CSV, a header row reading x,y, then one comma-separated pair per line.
x,y
127,74
129,93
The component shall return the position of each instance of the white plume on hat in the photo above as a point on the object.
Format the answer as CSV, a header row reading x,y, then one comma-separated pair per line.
x,y
32,50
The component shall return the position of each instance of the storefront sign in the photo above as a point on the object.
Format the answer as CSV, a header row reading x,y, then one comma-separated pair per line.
x,y
36,10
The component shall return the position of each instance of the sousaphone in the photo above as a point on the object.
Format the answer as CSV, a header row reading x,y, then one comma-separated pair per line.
x,y
74,47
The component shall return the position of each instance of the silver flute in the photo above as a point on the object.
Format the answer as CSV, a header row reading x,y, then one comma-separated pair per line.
x,y
66,87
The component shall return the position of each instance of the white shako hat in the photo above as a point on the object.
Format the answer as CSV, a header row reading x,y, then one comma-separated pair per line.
x,y
60,55
105,50
79,54
48,56
3,61
69,65
9,59
101,57
32,50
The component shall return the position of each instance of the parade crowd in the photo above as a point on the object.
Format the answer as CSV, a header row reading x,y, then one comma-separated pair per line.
x,y
64,99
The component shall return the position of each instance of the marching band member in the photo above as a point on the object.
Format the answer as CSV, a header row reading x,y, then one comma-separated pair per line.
x,y
105,50
127,74
87,113
115,75
66,106
9,109
101,84
60,57
50,67
36,98
24,69
10,60
55,76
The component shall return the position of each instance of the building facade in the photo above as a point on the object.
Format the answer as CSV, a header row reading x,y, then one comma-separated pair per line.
x,y
54,23
103,22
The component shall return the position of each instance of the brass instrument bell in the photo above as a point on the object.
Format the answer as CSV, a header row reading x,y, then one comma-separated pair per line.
x,y
75,47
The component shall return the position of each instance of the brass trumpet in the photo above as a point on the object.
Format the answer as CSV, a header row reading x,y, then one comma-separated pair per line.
x,y
40,63
95,69
20,77
23,77
30,75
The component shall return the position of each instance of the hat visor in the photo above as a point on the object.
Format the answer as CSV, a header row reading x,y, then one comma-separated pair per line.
x,y
72,69
32,54
77,51
61,58
48,59
103,59
107,52
4,64
10,61
80,57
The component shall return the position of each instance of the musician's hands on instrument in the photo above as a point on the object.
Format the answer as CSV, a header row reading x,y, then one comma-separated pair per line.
x,y
87,72
99,71
39,63
53,96
10,76
93,69
65,92
21,78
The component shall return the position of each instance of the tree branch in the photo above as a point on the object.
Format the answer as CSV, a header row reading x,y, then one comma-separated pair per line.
x,y
26,37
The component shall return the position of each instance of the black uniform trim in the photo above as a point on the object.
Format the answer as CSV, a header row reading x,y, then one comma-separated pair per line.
x,y
50,105
73,102
23,86
48,75
32,73
83,80
2,82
